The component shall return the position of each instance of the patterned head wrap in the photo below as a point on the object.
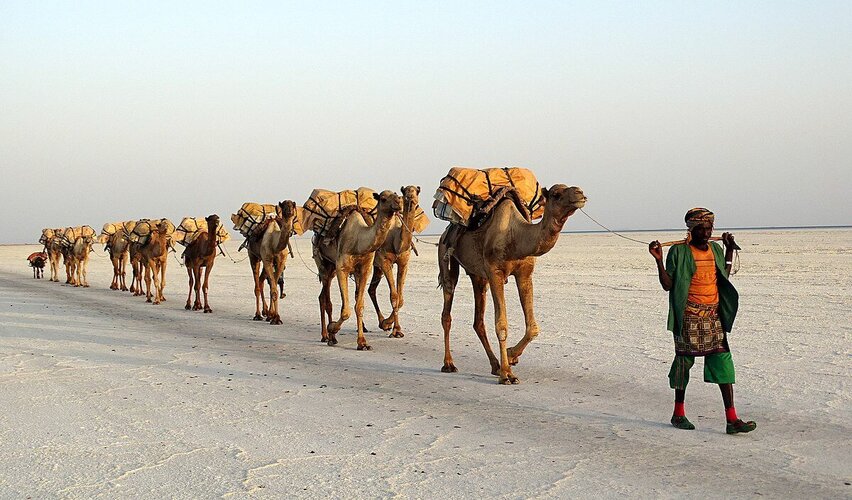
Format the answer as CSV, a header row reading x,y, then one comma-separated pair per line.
x,y
696,216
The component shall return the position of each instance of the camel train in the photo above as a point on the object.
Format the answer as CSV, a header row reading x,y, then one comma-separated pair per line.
x,y
500,220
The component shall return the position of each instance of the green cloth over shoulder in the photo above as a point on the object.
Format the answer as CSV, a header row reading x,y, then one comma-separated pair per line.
x,y
680,265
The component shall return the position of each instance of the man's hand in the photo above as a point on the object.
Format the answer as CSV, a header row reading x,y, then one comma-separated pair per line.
x,y
728,240
655,249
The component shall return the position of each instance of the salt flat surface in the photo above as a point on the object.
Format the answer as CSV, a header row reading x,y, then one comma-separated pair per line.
x,y
105,395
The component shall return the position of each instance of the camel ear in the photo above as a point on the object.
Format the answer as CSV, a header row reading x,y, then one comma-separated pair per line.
x,y
418,189
544,192
402,189
376,196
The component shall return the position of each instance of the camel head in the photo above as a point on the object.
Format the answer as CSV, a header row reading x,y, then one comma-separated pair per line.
x,y
410,198
163,228
389,202
286,214
212,220
563,201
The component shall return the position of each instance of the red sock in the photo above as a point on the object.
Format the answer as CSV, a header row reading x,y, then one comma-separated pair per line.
x,y
731,414
679,410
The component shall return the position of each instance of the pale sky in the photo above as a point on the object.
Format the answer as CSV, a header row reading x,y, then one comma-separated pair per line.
x,y
119,110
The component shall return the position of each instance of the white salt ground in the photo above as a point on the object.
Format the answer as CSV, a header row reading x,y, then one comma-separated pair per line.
x,y
107,396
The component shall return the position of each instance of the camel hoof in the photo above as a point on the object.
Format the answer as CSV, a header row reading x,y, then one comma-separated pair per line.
x,y
208,310
187,306
450,368
124,289
396,335
257,317
365,347
386,324
163,299
333,328
331,341
276,321
148,299
509,380
196,307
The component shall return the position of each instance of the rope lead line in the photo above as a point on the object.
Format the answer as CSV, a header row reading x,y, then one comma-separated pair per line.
x,y
610,230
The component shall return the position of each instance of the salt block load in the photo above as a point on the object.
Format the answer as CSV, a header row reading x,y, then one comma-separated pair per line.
x,y
110,229
465,192
47,234
191,227
251,217
144,227
72,234
323,206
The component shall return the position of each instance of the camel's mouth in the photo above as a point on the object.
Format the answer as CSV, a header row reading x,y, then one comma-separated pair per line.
x,y
576,197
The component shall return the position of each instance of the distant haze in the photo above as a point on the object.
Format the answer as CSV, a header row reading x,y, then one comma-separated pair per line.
x,y
121,110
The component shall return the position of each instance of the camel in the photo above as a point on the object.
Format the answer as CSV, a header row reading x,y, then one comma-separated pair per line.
x,y
396,249
155,255
505,245
351,251
79,254
118,247
273,253
53,248
201,253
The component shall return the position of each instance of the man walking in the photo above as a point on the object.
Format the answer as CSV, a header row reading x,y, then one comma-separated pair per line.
x,y
702,308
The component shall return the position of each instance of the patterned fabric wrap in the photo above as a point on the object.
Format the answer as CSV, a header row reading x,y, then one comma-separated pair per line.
x,y
696,216
702,332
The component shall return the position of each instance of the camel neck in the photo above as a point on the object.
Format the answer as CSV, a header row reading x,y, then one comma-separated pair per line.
x,y
538,239
379,229
284,235
406,236
211,238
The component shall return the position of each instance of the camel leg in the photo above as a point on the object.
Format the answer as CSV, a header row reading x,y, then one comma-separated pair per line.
x,y
207,269
162,286
371,290
480,289
85,271
148,283
258,289
449,280
114,284
272,277
196,274
393,320
189,272
122,274
325,308
501,325
401,274
360,288
78,270
525,291
343,285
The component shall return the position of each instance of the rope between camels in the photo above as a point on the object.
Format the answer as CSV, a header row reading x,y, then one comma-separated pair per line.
x,y
413,235
299,252
228,254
